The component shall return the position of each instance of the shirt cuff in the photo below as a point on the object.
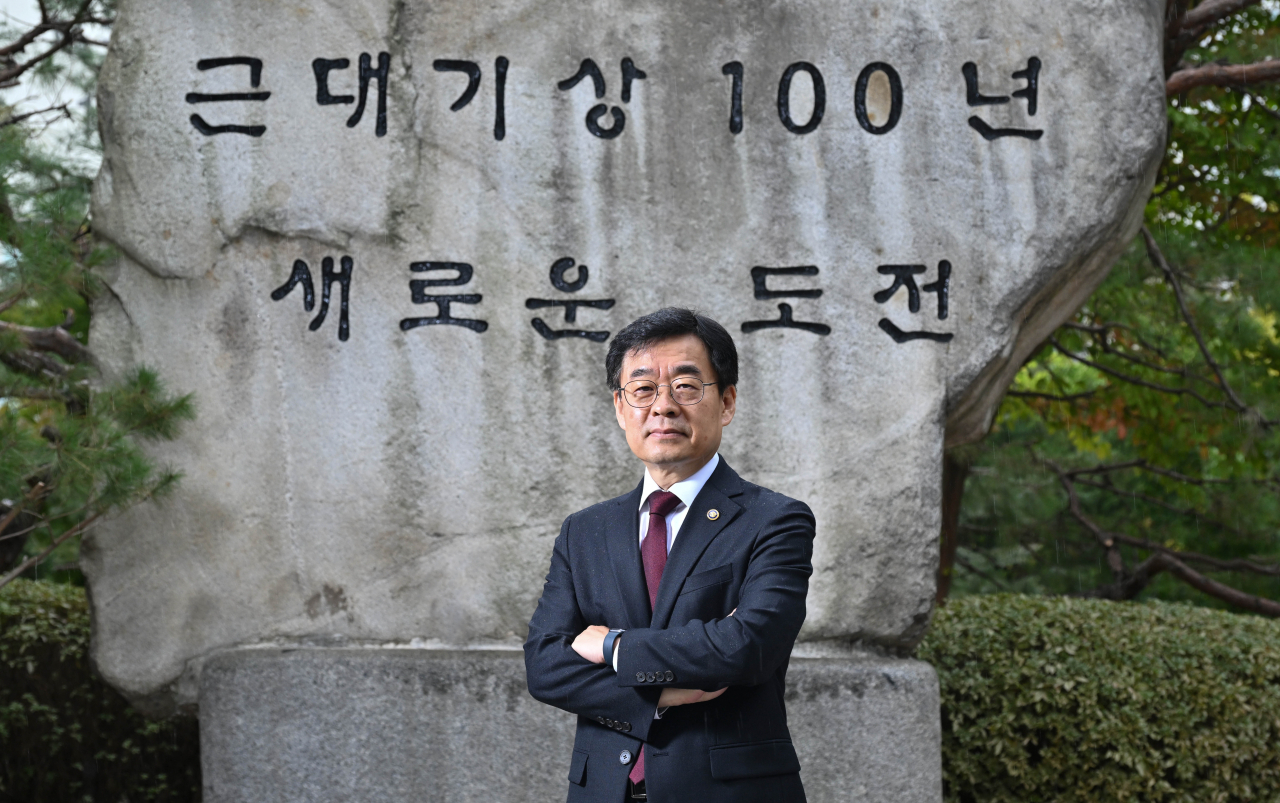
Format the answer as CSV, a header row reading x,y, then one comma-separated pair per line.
x,y
616,639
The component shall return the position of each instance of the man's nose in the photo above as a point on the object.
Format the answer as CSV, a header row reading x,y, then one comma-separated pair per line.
x,y
665,403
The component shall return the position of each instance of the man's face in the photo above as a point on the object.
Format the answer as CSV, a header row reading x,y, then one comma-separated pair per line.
x,y
674,440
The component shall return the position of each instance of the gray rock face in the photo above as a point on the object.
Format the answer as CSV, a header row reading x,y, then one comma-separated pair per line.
x,y
885,252
408,726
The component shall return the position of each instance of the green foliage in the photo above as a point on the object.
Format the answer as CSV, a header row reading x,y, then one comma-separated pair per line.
x,y
1051,700
1221,177
1059,700
64,734
59,426
1217,494
1161,446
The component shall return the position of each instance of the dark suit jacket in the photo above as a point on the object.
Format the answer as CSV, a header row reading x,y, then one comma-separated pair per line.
x,y
755,556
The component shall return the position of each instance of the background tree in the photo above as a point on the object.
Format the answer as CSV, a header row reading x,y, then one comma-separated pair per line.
x,y
1138,451
67,433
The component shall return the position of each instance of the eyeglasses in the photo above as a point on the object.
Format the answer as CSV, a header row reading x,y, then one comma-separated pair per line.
x,y
684,390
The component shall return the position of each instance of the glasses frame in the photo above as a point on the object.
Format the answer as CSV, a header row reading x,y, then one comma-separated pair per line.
x,y
658,392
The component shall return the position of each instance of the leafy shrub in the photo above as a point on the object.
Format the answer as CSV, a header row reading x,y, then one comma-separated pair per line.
x,y
1061,700
64,734
1044,700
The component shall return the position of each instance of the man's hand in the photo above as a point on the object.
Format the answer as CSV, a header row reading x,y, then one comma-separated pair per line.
x,y
672,696
590,643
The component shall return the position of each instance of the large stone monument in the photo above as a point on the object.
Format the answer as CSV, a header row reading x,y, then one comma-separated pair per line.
x,y
385,242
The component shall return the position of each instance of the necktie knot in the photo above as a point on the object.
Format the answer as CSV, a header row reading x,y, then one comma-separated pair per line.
x,y
662,502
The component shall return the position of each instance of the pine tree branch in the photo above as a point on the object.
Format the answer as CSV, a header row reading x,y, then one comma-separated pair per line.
x,y
1105,468
1114,559
38,394
67,28
1129,584
53,339
1157,258
1256,102
1128,587
32,495
33,363
1163,561
1187,512
12,301
1175,42
57,542
969,567
1133,380
1233,565
1150,366
18,118
1103,332
1103,329
1212,11
1227,75
47,521
1029,394
23,42
95,42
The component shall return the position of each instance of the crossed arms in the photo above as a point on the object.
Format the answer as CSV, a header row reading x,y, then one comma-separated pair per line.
x,y
563,659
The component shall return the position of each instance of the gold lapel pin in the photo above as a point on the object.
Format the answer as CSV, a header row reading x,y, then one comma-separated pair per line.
x,y
713,514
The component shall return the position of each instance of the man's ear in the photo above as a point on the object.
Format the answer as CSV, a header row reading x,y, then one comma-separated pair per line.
x,y
729,400
619,408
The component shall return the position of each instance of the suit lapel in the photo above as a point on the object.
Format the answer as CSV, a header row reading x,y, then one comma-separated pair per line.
x,y
623,537
695,535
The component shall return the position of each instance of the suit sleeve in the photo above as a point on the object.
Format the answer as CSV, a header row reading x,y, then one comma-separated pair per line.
x,y
744,649
560,677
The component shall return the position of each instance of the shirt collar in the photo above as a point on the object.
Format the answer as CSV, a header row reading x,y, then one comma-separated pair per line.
x,y
686,490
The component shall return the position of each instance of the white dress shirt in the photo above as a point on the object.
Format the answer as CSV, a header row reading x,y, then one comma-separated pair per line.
x,y
686,491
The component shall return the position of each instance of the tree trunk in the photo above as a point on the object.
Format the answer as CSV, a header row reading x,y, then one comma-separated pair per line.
x,y
954,472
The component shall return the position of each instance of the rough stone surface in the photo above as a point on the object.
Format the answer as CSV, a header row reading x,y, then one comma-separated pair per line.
x,y
408,484
401,726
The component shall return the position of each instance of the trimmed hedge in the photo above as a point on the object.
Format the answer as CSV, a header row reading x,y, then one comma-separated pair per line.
x,y
1045,699
1060,700
64,734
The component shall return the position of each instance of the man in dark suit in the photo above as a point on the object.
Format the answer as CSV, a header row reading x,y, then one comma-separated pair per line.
x,y
668,615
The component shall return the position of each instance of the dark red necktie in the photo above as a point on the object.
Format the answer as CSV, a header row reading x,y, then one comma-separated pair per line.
x,y
653,551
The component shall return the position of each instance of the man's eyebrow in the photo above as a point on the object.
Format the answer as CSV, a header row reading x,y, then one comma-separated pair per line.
x,y
684,369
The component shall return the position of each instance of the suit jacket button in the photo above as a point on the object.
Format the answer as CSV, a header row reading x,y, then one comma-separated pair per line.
x,y
640,677
650,677
625,757
626,727
670,676
713,514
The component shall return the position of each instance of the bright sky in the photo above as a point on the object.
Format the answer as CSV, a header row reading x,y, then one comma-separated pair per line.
x,y
27,97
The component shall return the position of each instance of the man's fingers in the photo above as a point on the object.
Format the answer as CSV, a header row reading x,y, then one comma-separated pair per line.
x,y
590,643
672,696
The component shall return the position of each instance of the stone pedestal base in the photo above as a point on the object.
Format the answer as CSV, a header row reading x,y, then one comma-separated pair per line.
x,y
395,726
